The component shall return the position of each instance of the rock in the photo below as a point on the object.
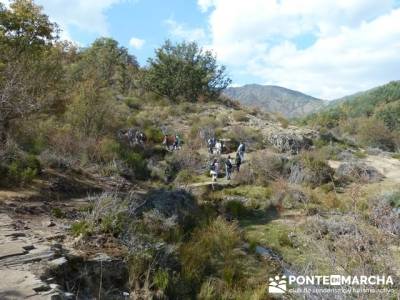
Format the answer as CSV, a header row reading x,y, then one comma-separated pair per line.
x,y
12,249
57,262
29,247
315,174
178,204
290,142
358,171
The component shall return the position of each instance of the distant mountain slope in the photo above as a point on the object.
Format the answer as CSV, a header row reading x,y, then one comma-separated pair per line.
x,y
275,99
370,118
366,102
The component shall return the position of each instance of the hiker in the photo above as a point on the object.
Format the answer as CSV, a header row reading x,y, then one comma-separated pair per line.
x,y
177,142
211,144
241,149
238,162
228,168
218,147
214,169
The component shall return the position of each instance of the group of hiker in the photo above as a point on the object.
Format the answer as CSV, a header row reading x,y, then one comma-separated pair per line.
x,y
172,142
229,164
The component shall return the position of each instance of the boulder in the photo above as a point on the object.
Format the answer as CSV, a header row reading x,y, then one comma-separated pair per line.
x,y
290,142
179,204
358,171
315,175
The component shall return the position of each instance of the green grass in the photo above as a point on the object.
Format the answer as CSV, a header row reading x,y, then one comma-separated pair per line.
x,y
396,156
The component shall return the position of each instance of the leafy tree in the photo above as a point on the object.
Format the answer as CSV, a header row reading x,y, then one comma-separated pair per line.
x,y
184,70
29,65
108,63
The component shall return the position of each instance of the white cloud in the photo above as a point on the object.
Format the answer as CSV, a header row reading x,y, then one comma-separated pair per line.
x,y
181,31
355,47
87,15
136,43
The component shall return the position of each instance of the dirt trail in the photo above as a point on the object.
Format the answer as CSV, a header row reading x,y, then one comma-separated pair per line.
x,y
388,166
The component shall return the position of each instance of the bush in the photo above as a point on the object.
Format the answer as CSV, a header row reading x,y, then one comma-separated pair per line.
x,y
240,116
82,228
212,250
236,209
137,164
22,170
283,121
310,169
373,133
267,166
154,134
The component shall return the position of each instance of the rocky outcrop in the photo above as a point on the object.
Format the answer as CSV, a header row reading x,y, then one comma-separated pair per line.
x,y
313,174
358,171
290,141
178,204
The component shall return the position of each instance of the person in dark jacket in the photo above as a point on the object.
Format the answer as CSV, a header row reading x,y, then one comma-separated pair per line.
x,y
228,168
238,162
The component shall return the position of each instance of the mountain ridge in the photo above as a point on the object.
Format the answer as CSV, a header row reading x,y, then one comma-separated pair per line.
x,y
290,103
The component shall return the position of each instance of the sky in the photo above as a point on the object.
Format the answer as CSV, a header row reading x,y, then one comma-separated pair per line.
x,y
325,48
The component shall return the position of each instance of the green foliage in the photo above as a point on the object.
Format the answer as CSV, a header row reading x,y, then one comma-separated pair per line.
x,y
81,228
137,163
372,117
30,66
236,209
57,213
211,250
113,223
108,64
184,71
21,170
154,134
161,279
240,116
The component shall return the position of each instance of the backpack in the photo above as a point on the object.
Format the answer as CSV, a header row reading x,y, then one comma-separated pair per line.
x,y
228,164
212,167
243,147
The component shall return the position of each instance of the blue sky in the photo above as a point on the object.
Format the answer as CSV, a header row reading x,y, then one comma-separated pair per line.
x,y
326,48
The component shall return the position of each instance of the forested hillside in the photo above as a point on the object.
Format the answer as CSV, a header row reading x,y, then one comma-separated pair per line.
x,y
370,118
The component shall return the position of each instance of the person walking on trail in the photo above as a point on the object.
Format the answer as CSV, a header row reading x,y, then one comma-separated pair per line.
x,y
211,144
238,162
228,168
214,169
241,149
177,142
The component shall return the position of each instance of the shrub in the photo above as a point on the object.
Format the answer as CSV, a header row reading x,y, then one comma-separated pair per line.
x,y
138,164
212,249
310,169
283,121
240,116
154,134
161,279
23,170
235,208
252,137
373,133
81,228
267,166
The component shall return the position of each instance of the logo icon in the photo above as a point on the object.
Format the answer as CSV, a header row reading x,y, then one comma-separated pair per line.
x,y
277,285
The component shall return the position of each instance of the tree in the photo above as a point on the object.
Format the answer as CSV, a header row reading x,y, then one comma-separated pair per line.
x,y
184,70
109,63
29,65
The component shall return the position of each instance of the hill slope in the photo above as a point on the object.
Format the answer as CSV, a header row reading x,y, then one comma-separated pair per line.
x,y
275,99
371,118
